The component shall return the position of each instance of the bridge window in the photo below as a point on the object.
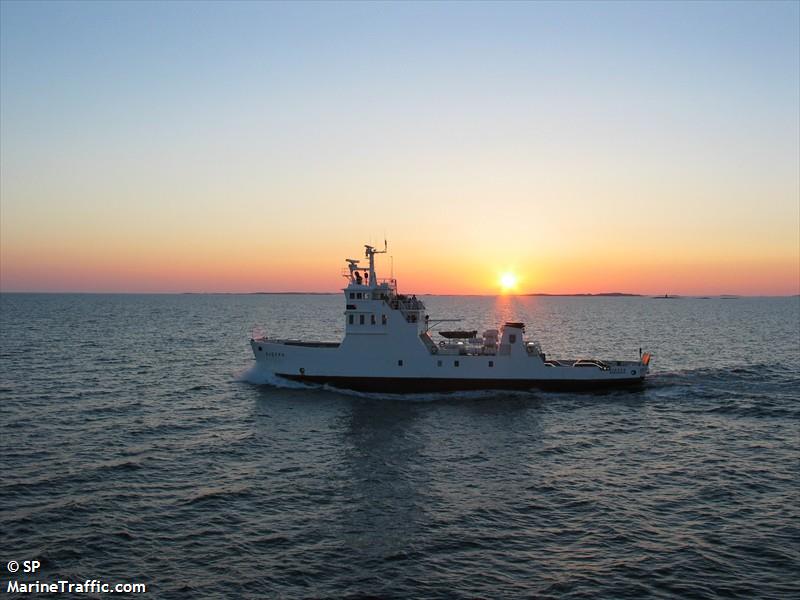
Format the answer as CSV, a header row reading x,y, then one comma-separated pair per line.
x,y
352,295
383,319
358,295
372,319
491,363
455,363
350,319
400,363
360,319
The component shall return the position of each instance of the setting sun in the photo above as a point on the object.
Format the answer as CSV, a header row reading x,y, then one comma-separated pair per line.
x,y
508,281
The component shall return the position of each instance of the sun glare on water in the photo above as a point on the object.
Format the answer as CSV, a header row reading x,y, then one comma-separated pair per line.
x,y
508,282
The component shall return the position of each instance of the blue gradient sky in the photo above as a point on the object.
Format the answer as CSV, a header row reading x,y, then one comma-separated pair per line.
x,y
153,145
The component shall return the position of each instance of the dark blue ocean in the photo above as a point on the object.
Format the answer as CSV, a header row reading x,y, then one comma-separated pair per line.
x,y
138,445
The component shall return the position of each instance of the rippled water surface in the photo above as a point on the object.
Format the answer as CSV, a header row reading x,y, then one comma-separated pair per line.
x,y
137,445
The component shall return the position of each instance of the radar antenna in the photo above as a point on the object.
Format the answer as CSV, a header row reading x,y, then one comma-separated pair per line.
x,y
370,250
352,264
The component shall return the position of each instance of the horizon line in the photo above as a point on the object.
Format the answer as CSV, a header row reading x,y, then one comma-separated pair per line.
x,y
304,293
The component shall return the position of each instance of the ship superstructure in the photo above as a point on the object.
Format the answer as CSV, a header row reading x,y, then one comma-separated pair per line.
x,y
388,346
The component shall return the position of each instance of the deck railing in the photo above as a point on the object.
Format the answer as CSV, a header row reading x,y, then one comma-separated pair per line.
x,y
392,283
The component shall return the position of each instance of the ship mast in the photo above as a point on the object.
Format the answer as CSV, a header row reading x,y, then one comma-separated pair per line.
x,y
370,252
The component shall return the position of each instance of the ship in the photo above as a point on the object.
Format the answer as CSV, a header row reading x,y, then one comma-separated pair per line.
x,y
389,347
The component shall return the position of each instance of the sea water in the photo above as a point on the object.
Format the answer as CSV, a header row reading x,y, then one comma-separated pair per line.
x,y
139,444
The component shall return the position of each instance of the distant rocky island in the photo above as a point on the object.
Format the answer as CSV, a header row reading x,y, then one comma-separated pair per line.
x,y
292,293
582,295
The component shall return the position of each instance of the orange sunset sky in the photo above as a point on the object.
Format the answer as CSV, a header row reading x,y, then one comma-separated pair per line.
x,y
584,147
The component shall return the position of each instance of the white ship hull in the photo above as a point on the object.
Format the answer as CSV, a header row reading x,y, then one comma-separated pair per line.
x,y
371,373
373,363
